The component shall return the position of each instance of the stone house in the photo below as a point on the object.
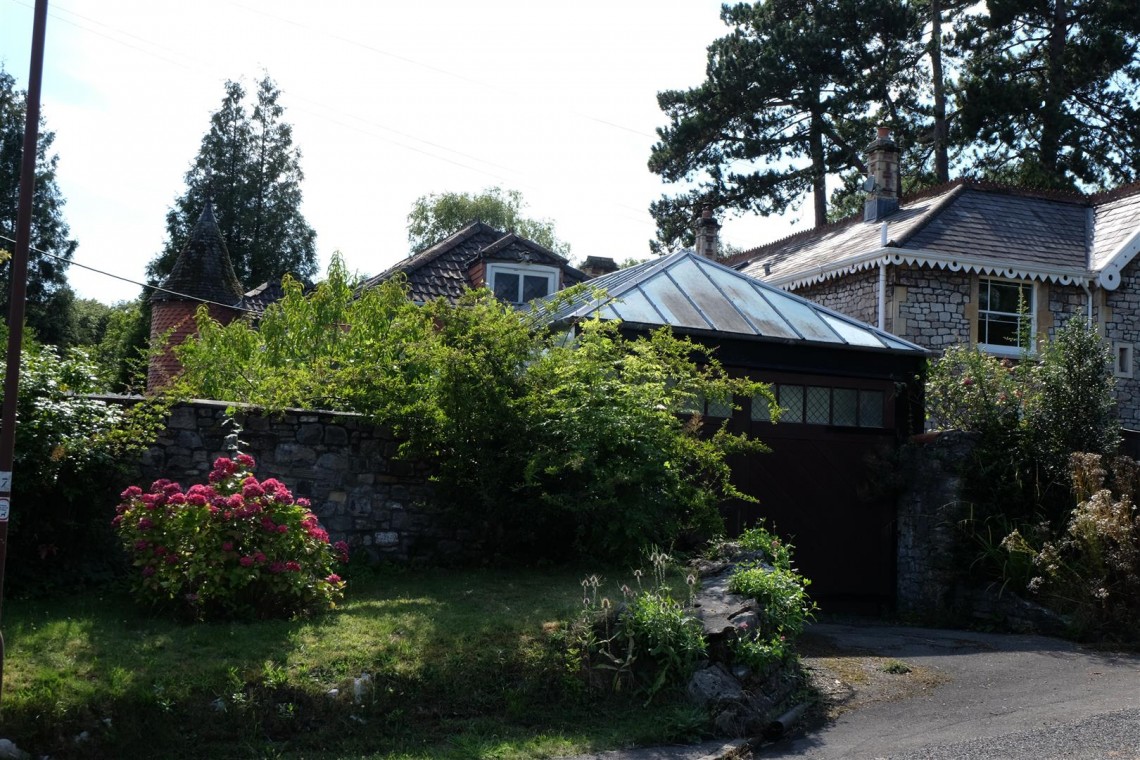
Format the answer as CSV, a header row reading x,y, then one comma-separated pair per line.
x,y
967,262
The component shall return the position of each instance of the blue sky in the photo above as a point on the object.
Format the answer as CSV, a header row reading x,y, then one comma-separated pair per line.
x,y
389,101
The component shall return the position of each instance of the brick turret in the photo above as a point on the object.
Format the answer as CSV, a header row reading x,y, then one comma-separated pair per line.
x,y
203,272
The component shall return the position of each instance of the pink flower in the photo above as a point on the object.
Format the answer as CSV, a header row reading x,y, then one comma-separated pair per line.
x,y
148,571
341,548
228,546
282,528
293,566
130,493
333,579
303,502
145,524
177,498
172,559
260,558
245,460
160,550
246,561
252,490
277,567
171,488
197,499
141,545
968,381
116,520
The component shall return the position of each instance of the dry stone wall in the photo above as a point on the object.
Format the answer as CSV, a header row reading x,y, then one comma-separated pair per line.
x,y
347,467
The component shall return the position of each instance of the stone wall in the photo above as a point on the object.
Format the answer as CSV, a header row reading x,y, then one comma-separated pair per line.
x,y
1120,317
929,510
344,465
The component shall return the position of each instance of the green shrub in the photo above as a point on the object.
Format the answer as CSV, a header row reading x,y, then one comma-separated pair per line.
x,y
70,450
234,548
781,596
759,539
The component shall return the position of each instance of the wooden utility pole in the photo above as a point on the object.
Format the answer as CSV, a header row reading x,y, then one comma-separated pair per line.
x,y
19,291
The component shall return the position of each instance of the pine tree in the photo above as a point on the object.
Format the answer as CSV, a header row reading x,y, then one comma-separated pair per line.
x,y
1049,91
791,95
248,166
49,297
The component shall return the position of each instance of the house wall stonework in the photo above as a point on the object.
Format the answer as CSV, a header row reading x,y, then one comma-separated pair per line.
x,y
1120,318
346,466
931,307
856,295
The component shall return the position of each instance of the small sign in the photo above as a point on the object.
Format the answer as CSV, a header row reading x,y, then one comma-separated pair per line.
x,y
5,504
6,482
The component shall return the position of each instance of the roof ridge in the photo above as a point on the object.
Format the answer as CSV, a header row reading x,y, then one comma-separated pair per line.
x,y
955,191
1106,196
433,252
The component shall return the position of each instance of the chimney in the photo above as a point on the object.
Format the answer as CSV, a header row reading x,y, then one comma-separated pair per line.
x,y
596,266
708,245
882,183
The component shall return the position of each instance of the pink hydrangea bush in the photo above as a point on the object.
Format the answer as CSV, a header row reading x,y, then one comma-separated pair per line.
x,y
232,548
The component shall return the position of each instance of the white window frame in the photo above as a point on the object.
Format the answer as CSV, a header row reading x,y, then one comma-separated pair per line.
x,y
1000,349
523,270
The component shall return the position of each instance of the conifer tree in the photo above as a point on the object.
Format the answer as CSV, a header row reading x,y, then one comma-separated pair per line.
x,y
249,167
49,297
1050,91
790,97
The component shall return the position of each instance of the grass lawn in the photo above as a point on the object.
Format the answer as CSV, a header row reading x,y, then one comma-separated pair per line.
x,y
461,664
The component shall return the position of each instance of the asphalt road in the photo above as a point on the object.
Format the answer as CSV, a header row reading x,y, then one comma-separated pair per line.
x,y
986,696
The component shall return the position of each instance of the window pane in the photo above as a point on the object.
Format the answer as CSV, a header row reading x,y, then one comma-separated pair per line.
x,y
792,402
760,410
720,408
870,408
1001,331
1004,297
818,406
844,411
694,404
535,287
507,286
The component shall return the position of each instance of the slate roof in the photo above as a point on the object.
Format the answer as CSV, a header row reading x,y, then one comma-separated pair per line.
x,y
694,295
203,270
1062,237
441,270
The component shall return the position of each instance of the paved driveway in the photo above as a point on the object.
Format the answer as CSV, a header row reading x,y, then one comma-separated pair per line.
x,y
968,695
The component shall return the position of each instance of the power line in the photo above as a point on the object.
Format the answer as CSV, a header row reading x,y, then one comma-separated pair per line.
x,y
146,285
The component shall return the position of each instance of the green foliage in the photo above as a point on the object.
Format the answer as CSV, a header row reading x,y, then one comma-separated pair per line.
x,y
121,350
782,597
247,164
791,95
48,296
1031,419
758,538
651,641
542,448
65,443
234,548
1030,416
1089,568
433,217
1048,91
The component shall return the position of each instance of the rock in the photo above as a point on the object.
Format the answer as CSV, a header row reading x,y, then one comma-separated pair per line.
x,y
713,686
9,751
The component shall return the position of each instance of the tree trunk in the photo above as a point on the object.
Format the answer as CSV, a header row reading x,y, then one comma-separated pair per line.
x,y
1054,86
818,166
941,151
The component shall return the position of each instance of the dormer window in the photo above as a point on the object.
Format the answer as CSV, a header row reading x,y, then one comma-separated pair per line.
x,y
521,283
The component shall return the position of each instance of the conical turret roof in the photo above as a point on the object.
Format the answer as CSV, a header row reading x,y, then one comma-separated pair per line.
x,y
203,269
